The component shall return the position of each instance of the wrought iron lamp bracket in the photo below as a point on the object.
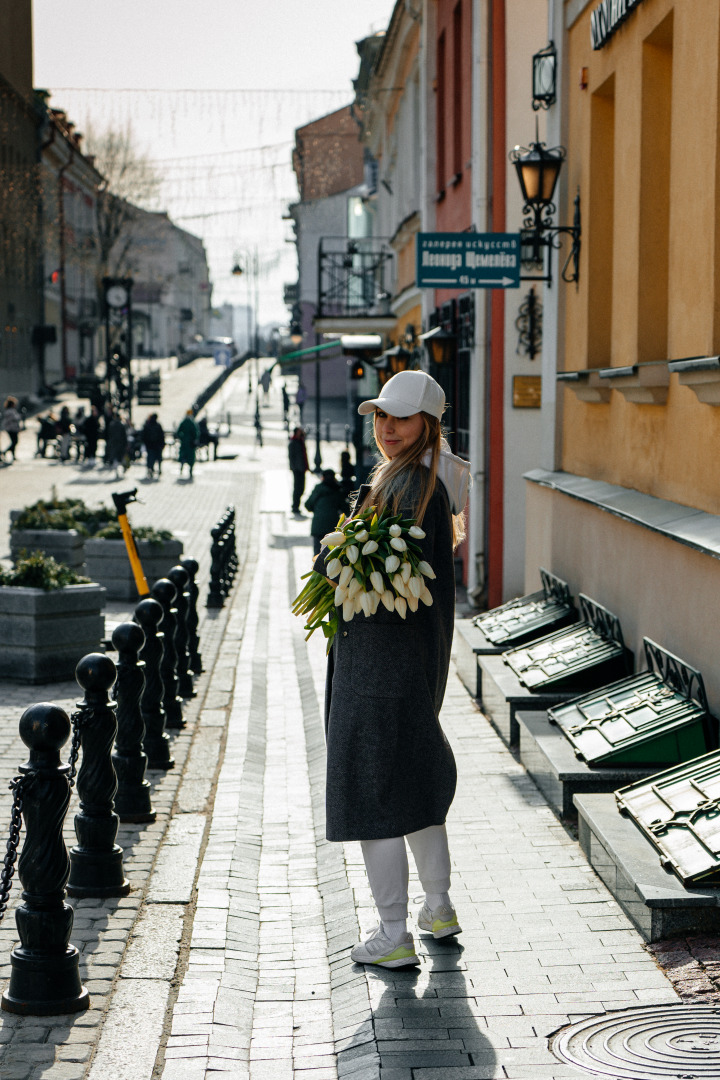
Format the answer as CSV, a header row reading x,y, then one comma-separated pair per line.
x,y
538,232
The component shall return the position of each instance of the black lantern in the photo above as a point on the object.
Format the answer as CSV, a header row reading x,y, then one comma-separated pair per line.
x,y
538,170
544,77
398,359
440,344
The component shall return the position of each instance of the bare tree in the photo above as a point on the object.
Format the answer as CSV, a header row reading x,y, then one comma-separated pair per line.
x,y
130,181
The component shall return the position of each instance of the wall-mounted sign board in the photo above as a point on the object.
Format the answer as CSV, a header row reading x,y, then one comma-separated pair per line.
x,y
527,391
468,260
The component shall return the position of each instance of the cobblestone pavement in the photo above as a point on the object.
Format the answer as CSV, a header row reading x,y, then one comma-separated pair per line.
x,y
231,955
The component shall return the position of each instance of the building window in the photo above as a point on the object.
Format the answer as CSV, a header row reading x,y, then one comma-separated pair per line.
x,y
441,118
458,96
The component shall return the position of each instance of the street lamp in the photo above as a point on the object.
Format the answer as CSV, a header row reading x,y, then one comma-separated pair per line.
x,y
440,345
537,171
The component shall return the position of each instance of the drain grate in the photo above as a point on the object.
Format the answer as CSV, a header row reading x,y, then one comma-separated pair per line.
x,y
678,1041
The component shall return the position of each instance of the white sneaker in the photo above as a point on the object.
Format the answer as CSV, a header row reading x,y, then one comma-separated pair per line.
x,y
380,950
441,922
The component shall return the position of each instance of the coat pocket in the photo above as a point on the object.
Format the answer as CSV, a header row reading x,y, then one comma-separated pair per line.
x,y
385,661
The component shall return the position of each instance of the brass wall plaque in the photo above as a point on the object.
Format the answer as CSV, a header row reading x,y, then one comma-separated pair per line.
x,y
527,391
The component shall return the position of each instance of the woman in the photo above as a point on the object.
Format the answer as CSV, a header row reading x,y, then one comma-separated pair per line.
x,y
326,502
153,438
11,423
390,771
188,435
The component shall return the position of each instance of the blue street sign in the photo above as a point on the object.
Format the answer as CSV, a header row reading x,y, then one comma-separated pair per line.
x,y
222,355
468,260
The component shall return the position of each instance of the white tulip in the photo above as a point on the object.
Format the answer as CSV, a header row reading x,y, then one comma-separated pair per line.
x,y
348,610
353,589
362,536
333,539
377,581
391,564
399,585
426,597
375,597
401,606
397,542
416,585
333,568
416,532
412,602
369,547
406,571
388,600
395,530
366,602
353,554
340,595
357,602
345,576
426,569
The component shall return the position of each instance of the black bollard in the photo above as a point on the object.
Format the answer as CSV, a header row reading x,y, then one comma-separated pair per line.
x,y
156,743
164,592
132,801
192,567
44,975
215,593
179,577
96,866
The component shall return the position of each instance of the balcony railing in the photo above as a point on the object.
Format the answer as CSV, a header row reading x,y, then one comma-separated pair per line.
x,y
355,277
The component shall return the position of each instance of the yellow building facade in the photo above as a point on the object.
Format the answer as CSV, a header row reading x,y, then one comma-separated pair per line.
x,y
629,514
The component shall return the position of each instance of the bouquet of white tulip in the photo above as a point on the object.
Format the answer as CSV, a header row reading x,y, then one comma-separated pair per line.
x,y
375,560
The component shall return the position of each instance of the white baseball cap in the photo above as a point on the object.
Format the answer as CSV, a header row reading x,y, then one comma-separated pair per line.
x,y
407,393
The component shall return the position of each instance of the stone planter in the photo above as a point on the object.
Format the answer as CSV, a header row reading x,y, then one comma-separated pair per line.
x,y
65,545
106,561
43,635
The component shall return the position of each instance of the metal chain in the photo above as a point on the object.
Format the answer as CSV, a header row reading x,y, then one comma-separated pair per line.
x,y
78,719
18,785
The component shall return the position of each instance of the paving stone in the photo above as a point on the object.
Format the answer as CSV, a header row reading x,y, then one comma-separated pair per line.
x,y
131,1034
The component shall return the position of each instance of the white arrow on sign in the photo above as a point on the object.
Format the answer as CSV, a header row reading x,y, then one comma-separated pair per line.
x,y
503,282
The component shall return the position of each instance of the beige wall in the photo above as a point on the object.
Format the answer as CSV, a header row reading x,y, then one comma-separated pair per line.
x,y
644,150
657,587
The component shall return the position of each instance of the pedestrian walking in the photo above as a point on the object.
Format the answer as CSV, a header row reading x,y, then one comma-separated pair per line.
x,y
258,425
64,430
188,434
299,465
347,475
391,774
91,431
116,444
300,399
208,437
11,423
153,439
326,502
285,405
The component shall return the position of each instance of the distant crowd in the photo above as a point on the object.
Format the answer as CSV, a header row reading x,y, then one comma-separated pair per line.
x,y
76,436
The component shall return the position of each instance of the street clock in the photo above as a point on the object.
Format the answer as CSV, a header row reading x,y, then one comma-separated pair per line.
x,y
117,296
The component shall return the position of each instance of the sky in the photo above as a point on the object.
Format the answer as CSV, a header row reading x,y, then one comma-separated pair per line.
x,y
213,92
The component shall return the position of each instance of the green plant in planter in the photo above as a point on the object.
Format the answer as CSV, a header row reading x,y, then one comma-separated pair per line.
x,y
39,571
156,537
63,514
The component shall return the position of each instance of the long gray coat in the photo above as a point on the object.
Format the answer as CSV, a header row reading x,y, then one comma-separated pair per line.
x,y
390,769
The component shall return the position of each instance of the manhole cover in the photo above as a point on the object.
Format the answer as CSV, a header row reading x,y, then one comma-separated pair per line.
x,y
678,1041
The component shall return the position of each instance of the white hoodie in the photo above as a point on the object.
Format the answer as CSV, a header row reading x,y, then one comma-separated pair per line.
x,y
455,475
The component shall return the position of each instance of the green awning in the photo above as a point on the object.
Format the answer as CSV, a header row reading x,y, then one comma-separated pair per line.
x,y
303,355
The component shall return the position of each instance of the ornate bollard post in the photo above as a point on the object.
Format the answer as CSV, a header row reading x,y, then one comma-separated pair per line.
x,y
96,866
164,592
192,567
215,595
156,743
132,801
44,977
179,577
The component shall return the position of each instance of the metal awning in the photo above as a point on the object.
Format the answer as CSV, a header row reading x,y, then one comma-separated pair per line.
x,y
678,810
658,717
529,616
588,654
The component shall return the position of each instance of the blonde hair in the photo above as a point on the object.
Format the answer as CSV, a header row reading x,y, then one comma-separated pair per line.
x,y
392,478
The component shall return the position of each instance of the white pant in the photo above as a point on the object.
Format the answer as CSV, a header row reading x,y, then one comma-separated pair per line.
x,y
386,863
